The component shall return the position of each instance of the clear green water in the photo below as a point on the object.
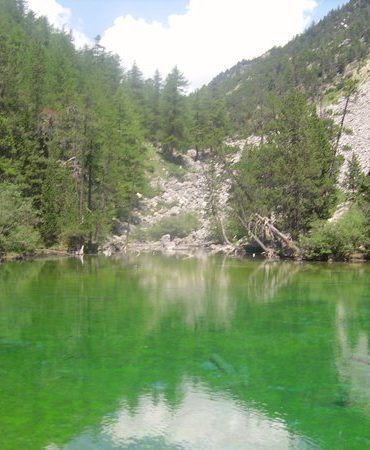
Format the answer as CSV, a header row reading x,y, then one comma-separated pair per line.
x,y
163,353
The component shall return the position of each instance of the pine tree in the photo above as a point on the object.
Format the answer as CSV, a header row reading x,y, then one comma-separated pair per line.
x,y
173,113
353,175
209,122
153,100
290,176
71,136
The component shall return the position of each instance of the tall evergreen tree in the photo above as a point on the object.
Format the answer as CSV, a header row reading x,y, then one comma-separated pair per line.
x,y
173,113
153,100
289,178
209,122
70,147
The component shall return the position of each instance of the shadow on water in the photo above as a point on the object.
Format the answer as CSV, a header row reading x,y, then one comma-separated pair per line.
x,y
156,352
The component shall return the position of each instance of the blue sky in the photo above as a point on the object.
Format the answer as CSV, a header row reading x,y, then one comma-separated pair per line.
x,y
95,16
324,6
202,37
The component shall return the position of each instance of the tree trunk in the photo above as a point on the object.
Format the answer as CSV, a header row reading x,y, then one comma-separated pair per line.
x,y
224,236
342,124
266,222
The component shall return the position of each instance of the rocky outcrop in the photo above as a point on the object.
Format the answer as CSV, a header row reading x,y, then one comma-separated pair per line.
x,y
116,244
357,124
188,194
185,195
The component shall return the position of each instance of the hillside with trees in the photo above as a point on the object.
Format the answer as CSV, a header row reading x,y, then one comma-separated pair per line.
x,y
291,173
72,145
313,62
289,183
82,138
74,132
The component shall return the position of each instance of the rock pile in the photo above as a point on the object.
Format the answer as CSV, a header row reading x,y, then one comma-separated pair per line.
x,y
188,194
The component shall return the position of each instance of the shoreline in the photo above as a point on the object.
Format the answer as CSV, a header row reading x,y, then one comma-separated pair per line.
x,y
184,250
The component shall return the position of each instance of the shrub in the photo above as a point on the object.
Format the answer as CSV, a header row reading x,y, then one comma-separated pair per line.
x,y
17,221
177,226
232,227
175,170
337,239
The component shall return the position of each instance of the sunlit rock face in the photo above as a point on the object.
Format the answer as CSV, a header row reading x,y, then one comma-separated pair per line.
x,y
202,420
356,121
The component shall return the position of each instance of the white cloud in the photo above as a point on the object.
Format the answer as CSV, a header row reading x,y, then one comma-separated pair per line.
x,y
59,17
80,39
201,420
209,38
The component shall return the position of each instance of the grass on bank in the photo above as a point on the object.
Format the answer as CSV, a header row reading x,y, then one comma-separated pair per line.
x,y
178,226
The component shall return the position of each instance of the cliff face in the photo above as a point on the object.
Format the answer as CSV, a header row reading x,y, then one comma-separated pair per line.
x,y
357,122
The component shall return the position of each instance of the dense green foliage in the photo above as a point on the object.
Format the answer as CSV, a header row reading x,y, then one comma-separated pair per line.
x,y
74,126
17,221
353,176
290,177
70,134
209,121
173,113
350,233
337,239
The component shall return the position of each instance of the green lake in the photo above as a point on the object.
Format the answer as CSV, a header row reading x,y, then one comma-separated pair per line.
x,y
155,352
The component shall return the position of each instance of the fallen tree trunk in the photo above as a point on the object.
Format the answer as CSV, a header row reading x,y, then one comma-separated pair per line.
x,y
269,252
287,241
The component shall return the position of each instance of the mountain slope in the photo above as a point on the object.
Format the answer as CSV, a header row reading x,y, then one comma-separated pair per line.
x,y
356,140
312,62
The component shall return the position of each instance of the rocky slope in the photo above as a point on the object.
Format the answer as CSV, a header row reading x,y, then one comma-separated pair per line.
x,y
180,198
357,121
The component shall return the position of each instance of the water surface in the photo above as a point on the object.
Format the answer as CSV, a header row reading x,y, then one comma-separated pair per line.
x,y
165,353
